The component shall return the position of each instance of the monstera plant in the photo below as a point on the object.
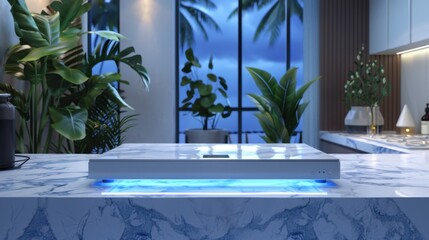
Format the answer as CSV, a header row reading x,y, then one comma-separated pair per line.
x,y
61,85
280,105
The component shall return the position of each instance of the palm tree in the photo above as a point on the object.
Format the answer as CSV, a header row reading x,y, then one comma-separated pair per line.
x,y
273,19
191,15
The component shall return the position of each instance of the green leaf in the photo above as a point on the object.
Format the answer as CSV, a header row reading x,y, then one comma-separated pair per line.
x,y
114,36
56,84
186,106
208,101
212,77
96,85
204,89
114,96
218,108
187,68
108,50
185,81
222,82
49,27
264,81
25,25
55,50
227,110
71,75
222,92
12,65
189,53
211,63
301,109
69,121
287,87
69,11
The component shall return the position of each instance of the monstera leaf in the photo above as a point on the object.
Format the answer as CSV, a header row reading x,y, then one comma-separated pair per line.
x,y
69,121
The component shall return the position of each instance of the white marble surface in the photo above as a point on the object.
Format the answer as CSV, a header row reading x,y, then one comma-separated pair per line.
x,y
383,143
197,151
379,197
362,176
190,218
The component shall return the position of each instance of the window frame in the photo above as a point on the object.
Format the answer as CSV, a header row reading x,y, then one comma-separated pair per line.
x,y
239,109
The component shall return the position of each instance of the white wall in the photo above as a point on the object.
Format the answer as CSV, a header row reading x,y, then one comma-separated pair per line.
x,y
149,26
415,83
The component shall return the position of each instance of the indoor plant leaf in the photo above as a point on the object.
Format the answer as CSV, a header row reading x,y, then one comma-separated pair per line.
x,y
114,36
280,109
96,85
71,75
25,26
264,81
57,49
49,27
69,121
114,96
69,11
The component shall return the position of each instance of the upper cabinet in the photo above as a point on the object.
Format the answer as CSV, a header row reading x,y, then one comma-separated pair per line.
x,y
419,20
378,26
398,25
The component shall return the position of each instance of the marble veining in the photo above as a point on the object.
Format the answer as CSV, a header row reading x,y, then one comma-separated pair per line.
x,y
242,218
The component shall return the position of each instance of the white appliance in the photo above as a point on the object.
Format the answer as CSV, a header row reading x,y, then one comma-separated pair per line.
x,y
214,161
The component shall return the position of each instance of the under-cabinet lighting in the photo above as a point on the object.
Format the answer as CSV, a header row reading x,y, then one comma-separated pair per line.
x,y
412,50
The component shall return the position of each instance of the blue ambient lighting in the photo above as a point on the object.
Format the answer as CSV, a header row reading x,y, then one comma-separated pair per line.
x,y
214,187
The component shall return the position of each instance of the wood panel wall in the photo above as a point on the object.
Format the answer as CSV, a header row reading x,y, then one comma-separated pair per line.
x,y
344,27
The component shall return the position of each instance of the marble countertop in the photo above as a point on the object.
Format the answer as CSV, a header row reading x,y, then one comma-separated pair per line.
x,y
383,143
362,176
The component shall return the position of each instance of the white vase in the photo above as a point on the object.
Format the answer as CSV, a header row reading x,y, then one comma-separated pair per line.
x,y
359,118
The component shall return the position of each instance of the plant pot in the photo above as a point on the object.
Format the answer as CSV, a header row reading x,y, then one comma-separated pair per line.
x,y
359,118
206,136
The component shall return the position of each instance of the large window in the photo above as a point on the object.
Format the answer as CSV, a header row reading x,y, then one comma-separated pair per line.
x,y
238,34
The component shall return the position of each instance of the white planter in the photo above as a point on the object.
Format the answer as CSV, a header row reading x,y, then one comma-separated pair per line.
x,y
206,136
358,118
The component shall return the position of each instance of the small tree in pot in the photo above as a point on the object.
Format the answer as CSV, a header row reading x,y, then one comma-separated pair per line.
x,y
202,97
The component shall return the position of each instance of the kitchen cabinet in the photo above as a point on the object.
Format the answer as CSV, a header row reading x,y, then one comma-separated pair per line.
x,y
419,20
398,23
378,26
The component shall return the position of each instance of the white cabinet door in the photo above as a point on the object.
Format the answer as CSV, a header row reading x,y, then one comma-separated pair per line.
x,y
419,20
378,26
399,23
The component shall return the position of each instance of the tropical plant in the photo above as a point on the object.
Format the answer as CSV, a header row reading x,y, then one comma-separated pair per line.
x,y
280,105
273,19
202,95
62,86
192,15
105,128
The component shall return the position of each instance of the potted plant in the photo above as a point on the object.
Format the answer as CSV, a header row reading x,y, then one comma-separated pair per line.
x,y
49,57
364,89
280,105
203,102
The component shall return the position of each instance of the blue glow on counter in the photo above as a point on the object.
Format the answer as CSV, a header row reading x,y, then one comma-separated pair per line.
x,y
214,187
